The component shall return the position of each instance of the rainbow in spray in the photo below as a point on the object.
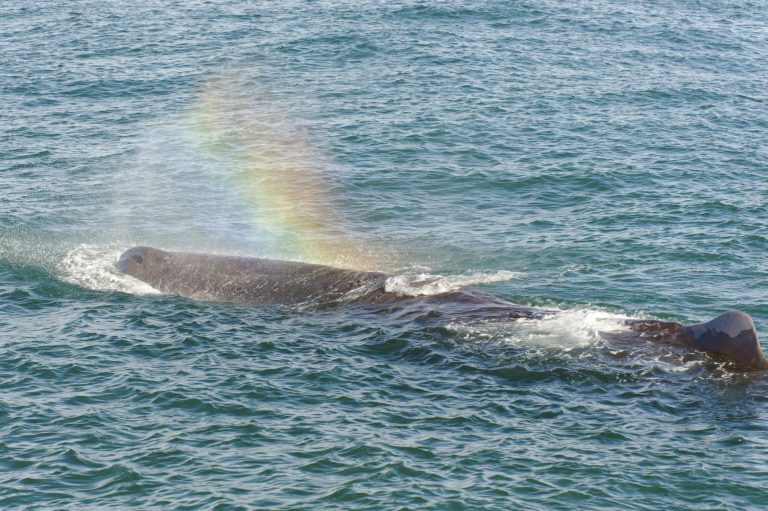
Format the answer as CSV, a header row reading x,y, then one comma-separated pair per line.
x,y
276,173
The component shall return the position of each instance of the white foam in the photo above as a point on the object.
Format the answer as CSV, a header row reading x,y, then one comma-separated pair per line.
x,y
566,329
577,327
423,284
93,267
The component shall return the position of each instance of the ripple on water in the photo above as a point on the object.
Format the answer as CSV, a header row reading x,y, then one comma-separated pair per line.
x,y
599,158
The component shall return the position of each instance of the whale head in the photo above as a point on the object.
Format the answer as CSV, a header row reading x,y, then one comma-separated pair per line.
x,y
143,263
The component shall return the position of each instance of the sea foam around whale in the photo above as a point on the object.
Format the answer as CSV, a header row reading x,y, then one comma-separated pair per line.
x,y
424,284
93,267
565,329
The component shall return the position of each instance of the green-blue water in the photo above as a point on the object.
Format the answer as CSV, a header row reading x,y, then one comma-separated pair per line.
x,y
610,155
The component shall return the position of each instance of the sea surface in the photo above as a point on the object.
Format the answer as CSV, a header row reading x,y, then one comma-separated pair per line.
x,y
607,159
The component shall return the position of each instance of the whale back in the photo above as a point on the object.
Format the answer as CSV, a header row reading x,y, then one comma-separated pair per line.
x,y
249,280
730,336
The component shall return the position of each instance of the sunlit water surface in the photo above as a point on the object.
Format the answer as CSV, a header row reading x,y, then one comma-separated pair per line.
x,y
605,159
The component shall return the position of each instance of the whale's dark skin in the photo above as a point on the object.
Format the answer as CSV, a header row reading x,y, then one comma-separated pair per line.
x,y
731,336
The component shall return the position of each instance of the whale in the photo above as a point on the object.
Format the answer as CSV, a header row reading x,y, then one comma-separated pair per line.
x,y
730,337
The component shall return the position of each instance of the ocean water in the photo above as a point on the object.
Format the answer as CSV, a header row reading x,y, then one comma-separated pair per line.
x,y
607,159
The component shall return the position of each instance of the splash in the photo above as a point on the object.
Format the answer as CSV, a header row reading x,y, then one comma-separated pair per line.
x,y
423,284
93,267
568,328
564,330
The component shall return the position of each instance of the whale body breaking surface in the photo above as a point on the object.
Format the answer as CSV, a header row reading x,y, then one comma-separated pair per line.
x,y
730,336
